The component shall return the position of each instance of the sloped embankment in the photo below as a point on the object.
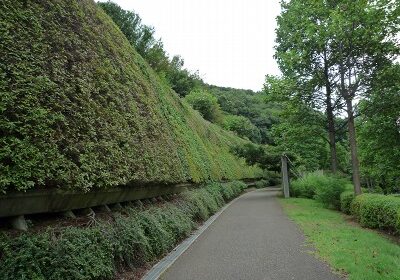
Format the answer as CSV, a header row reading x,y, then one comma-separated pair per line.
x,y
79,108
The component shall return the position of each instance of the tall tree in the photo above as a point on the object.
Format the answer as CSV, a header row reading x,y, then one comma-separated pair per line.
x,y
340,44
363,40
303,53
300,131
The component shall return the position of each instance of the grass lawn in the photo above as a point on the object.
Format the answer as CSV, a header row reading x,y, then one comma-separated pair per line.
x,y
356,252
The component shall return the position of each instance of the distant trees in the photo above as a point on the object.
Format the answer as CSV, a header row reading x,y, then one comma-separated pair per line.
x,y
182,80
251,105
142,38
266,157
243,127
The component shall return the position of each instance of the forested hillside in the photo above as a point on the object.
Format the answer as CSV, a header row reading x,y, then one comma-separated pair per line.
x,y
248,112
80,108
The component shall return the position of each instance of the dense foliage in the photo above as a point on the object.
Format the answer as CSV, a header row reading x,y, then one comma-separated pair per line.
x,y
243,127
79,108
370,209
379,132
137,235
323,188
262,155
252,106
206,104
334,56
377,211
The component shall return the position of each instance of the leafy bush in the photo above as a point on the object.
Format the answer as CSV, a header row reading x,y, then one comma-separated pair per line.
x,y
377,211
139,235
132,246
215,190
237,187
243,127
274,178
346,198
206,104
329,190
305,186
323,188
262,184
75,253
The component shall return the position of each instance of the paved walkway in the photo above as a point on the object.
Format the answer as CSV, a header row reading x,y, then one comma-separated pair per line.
x,y
253,239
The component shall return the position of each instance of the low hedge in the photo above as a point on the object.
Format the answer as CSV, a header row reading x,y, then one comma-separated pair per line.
x,y
346,198
377,211
133,237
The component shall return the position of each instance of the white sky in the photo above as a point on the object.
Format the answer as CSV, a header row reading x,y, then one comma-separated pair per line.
x,y
229,41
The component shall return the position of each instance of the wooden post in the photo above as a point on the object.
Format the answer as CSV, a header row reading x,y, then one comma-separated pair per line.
x,y
285,176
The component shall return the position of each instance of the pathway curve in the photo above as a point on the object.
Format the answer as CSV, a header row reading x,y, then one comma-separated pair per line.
x,y
252,239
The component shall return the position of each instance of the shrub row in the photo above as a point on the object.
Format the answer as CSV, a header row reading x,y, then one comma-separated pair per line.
x,y
371,210
377,211
134,236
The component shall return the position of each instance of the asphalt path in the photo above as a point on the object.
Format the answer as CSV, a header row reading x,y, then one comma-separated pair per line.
x,y
252,239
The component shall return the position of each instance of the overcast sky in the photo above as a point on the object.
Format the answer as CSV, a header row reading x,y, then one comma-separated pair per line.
x,y
229,41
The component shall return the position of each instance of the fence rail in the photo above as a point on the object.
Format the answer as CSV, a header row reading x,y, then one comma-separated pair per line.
x,y
58,200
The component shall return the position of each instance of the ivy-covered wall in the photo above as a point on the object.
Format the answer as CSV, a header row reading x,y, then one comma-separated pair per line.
x,y
79,108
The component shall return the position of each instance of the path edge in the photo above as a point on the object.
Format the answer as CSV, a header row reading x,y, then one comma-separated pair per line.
x,y
159,268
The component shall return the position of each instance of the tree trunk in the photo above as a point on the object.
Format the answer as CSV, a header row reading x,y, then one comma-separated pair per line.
x,y
353,147
330,118
331,131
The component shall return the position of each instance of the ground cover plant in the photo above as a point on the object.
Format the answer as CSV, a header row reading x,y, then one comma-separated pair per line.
x,y
128,240
81,109
359,253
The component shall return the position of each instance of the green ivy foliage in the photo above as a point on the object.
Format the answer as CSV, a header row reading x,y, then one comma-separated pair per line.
x,y
79,108
131,238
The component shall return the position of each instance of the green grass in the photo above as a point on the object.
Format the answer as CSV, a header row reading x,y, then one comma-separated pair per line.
x,y
359,253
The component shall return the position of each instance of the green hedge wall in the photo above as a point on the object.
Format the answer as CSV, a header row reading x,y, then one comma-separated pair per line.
x,y
79,108
137,235
377,211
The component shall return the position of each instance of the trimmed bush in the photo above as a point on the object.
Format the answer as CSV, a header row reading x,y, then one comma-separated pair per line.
x,y
140,234
377,211
346,198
